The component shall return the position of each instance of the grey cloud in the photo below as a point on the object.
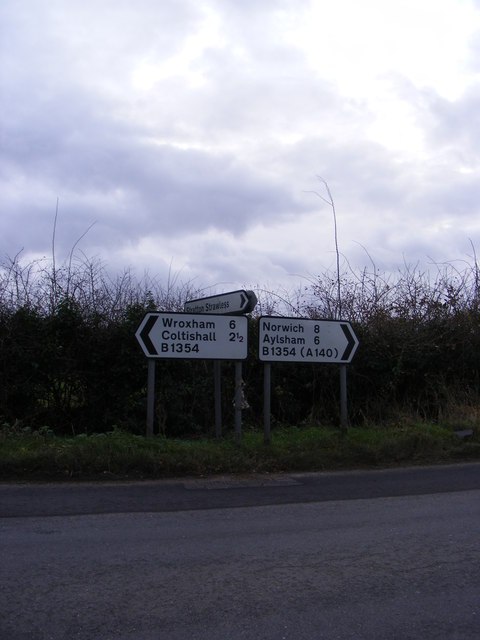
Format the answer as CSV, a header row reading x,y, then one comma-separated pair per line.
x,y
356,170
449,126
64,135
456,125
474,51
57,48
388,205
239,147
132,186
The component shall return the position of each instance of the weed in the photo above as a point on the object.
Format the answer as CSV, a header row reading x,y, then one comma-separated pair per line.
x,y
118,454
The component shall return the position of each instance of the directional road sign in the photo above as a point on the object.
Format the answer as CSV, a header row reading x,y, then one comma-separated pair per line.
x,y
232,303
305,340
187,336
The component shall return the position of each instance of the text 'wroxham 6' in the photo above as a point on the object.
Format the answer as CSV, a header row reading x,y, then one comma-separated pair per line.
x,y
187,336
305,340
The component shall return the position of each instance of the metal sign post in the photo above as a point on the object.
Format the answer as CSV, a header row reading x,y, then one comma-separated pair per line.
x,y
191,337
343,397
233,303
304,340
238,402
267,390
217,378
150,397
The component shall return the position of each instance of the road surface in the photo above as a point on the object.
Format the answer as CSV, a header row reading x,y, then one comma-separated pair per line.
x,y
382,554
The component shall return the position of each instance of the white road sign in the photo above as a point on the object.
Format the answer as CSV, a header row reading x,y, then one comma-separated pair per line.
x,y
305,340
187,336
233,303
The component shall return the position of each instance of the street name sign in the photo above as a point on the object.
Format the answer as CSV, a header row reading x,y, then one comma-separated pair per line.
x,y
304,340
232,303
189,336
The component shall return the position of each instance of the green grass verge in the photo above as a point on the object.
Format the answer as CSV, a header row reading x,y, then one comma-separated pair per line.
x,y
40,455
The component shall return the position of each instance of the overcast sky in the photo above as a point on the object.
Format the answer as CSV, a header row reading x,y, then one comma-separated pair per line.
x,y
190,133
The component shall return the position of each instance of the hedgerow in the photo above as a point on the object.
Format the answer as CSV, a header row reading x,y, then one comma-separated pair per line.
x,y
69,359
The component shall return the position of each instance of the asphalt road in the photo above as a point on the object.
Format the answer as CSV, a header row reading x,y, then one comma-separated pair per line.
x,y
389,554
238,491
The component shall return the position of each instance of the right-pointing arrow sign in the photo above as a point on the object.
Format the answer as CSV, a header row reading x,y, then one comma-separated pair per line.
x,y
351,340
304,340
231,303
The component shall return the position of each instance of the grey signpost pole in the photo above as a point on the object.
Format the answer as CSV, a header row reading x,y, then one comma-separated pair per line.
x,y
150,397
217,373
267,368
343,397
234,304
238,402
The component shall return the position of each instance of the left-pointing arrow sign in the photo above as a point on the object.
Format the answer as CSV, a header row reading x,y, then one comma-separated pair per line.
x,y
143,335
191,336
